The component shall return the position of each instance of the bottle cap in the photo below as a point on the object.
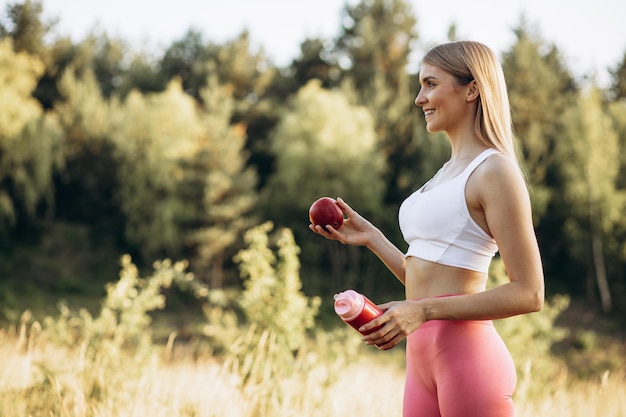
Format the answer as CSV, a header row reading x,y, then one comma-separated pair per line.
x,y
348,304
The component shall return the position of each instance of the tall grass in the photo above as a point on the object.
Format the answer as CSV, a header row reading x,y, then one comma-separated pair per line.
x,y
265,357
38,378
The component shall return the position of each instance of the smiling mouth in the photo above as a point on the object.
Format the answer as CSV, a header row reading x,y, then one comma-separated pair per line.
x,y
428,113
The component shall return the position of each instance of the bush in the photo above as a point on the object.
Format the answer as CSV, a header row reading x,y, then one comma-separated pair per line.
x,y
116,345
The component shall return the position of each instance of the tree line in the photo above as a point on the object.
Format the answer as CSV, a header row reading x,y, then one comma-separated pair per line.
x,y
107,150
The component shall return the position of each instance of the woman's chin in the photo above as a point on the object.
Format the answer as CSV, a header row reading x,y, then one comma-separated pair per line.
x,y
431,129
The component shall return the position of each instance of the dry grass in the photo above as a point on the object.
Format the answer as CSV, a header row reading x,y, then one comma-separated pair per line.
x,y
38,378
606,398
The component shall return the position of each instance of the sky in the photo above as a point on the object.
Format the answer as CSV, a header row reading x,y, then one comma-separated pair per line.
x,y
590,35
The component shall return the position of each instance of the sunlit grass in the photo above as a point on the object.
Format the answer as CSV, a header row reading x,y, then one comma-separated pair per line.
x,y
109,364
605,397
39,378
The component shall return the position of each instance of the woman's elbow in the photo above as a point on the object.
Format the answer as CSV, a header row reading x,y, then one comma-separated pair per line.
x,y
531,297
536,299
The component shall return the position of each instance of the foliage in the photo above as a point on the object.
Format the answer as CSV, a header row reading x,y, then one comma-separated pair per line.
x,y
589,163
272,299
376,40
85,189
373,48
530,62
177,152
324,146
277,314
26,27
618,87
30,141
194,61
116,345
181,178
227,183
319,137
156,135
19,75
123,320
154,155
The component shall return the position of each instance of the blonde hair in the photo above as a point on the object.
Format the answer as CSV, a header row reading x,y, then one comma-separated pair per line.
x,y
470,60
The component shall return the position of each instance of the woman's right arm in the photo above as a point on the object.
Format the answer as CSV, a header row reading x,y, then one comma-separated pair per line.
x,y
358,231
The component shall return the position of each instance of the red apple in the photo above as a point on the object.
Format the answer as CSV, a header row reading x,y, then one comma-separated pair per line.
x,y
325,211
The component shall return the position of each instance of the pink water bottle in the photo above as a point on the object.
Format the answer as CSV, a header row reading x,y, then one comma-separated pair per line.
x,y
356,309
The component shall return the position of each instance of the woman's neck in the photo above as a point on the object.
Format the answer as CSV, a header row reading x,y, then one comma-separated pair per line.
x,y
464,148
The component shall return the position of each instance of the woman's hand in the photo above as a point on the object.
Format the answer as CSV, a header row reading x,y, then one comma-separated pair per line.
x,y
355,230
400,319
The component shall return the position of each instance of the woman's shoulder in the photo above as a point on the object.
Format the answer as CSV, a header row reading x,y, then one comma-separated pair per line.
x,y
499,173
499,163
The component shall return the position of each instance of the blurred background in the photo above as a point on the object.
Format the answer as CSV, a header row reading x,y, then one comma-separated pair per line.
x,y
128,150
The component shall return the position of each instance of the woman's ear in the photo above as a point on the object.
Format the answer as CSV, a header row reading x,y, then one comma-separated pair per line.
x,y
473,92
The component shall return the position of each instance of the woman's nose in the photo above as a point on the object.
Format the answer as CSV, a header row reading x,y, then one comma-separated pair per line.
x,y
419,99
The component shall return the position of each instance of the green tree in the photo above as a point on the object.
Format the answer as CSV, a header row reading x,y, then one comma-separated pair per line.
x,y
531,63
316,61
589,163
193,60
142,74
155,136
26,27
248,75
20,72
618,85
104,56
226,183
108,61
376,40
183,185
29,140
373,49
29,31
186,60
324,146
86,187
541,89
617,112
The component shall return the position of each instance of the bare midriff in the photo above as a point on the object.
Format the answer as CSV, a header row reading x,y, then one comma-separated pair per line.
x,y
425,279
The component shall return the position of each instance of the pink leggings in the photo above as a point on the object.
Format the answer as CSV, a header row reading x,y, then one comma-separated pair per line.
x,y
458,369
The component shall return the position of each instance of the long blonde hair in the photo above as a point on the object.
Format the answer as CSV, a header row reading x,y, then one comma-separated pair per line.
x,y
470,60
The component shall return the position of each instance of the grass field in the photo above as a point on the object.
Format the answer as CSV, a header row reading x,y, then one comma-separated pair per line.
x,y
121,362
39,377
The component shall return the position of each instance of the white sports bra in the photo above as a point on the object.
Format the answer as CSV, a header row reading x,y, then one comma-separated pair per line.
x,y
437,225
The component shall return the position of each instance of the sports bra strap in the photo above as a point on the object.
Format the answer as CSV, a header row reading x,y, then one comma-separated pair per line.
x,y
480,159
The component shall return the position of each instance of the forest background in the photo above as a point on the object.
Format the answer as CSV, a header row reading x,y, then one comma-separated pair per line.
x,y
200,159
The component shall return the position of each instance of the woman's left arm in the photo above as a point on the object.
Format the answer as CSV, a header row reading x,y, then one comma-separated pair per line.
x,y
503,196
499,189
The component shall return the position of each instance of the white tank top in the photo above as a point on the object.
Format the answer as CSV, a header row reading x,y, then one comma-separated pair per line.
x,y
437,225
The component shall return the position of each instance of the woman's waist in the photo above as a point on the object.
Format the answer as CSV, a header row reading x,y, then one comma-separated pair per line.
x,y
425,279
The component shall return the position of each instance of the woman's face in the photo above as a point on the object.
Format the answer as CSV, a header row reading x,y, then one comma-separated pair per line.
x,y
442,99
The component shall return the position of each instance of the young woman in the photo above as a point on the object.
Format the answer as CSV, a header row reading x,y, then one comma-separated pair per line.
x,y
476,205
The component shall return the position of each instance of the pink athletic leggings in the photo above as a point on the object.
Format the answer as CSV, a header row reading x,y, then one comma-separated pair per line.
x,y
458,369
